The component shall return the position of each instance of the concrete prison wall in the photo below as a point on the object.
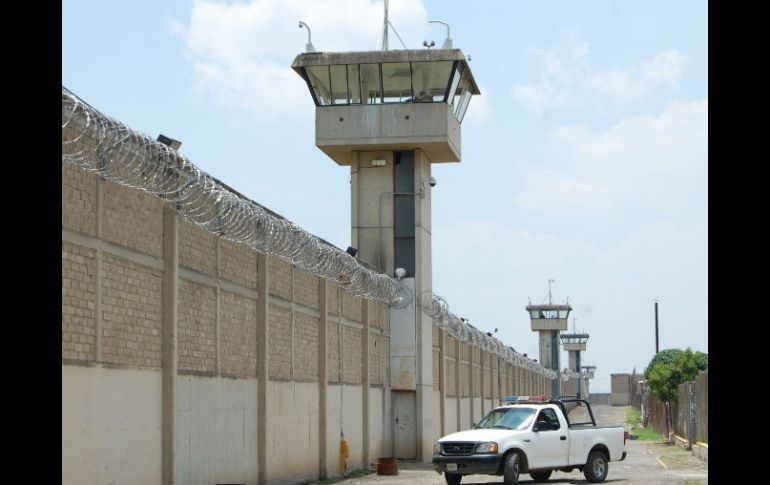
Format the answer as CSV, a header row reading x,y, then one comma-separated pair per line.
x,y
166,334
116,251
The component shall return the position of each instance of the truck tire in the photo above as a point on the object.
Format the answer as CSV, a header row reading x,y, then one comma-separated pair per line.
x,y
511,469
596,467
452,478
540,476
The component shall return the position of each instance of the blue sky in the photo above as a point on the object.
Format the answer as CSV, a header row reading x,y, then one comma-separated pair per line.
x,y
585,159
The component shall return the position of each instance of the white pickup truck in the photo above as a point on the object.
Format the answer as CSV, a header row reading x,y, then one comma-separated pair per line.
x,y
530,434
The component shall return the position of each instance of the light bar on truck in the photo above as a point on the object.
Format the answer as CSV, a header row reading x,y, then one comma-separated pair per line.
x,y
526,399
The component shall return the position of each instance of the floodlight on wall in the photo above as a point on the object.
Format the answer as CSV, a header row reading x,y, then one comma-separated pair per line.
x,y
352,251
309,46
175,144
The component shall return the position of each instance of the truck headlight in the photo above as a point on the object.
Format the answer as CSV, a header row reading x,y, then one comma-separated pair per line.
x,y
437,448
488,447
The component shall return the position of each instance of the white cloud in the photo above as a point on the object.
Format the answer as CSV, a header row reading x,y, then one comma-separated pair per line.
x,y
552,192
641,163
662,71
538,97
566,79
242,51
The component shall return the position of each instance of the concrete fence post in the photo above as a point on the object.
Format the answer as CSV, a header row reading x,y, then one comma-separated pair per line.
x,y
693,413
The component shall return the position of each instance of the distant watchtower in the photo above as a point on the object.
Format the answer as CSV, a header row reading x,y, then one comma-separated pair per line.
x,y
389,115
548,320
588,372
574,343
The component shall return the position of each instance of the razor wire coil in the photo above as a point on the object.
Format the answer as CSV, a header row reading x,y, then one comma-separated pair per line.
x,y
115,152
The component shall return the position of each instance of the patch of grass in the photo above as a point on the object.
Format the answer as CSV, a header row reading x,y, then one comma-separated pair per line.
x,y
639,432
323,481
359,472
645,434
633,417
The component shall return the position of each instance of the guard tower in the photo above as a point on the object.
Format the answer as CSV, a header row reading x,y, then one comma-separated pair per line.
x,y
587,371
574,343
389,115
549,320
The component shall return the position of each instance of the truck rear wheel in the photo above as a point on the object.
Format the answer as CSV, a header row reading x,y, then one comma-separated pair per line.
x,y
540,476
452,478
596,467
511,469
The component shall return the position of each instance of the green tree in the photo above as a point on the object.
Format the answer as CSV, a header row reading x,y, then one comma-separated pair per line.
x,y
672,367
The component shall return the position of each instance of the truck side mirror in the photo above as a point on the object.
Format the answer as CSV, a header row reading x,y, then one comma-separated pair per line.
x,y
542,426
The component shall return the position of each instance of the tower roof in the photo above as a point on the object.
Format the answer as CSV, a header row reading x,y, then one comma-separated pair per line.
x,y
308,59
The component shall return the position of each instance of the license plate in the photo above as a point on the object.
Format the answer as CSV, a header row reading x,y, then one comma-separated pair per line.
x,y
451,467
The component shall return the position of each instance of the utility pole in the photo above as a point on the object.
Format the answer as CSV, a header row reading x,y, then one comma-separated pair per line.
x,y
657,348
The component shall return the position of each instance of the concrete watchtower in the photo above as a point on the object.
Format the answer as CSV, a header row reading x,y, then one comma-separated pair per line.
x,y
548,320
574,343
389,115
588,372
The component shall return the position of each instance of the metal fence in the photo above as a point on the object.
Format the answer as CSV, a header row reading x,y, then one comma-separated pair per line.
x,y
689,414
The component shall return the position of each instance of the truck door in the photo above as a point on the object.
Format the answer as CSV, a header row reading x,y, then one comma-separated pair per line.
x,y
550,444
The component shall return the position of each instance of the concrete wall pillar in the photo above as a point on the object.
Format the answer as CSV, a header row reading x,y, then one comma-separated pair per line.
x,y
470,382
425,421
99,260
323,373
496,382
263,365
170,293
365,384
482,391
458,393
442,379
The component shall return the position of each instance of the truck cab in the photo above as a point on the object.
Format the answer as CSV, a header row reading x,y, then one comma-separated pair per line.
x,y
530,434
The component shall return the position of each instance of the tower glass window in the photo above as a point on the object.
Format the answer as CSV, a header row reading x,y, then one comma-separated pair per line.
x,y
370,83
458,92
430,80
397,82
339,80
354,83
319,81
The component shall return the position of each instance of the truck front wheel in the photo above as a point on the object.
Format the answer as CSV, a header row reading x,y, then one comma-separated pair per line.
x,y
452,478
511,469
596,467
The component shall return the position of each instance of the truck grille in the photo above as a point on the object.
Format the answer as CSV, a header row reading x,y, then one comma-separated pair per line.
x,y
453,448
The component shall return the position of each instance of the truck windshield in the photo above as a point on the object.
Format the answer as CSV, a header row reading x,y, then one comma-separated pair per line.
x,y
511,418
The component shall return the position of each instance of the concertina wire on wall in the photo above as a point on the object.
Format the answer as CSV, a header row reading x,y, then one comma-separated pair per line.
x,y
110,149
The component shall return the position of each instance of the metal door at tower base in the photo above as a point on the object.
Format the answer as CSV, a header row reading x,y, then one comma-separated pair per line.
x,y
404,425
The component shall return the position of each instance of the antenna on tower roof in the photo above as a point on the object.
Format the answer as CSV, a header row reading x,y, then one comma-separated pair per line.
x,y
385,25
550,300
385,28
